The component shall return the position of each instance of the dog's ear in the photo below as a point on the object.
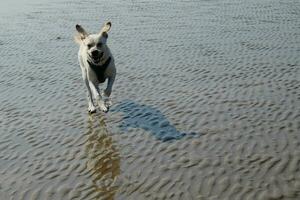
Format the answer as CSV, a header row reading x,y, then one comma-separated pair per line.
x,y
105,29
82,34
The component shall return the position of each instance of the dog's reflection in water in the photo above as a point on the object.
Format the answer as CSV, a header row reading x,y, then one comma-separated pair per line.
x,y
103,157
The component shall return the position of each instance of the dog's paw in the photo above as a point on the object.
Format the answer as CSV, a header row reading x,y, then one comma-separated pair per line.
x,y
104,108
92,109
108,102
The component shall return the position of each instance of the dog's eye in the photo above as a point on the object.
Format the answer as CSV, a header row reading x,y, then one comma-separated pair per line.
x,y
89,46
99,44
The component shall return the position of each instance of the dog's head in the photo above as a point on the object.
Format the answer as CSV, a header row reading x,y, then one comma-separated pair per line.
x,y
94,45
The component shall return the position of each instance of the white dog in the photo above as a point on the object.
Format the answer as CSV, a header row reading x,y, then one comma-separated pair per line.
x,y
97,65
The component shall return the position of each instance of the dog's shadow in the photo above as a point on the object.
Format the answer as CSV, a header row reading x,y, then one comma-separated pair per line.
x,y
148,118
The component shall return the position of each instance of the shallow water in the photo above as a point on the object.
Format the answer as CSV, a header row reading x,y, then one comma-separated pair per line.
x,y
206,102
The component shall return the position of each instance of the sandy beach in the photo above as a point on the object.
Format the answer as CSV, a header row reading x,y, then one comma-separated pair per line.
x,y
206,103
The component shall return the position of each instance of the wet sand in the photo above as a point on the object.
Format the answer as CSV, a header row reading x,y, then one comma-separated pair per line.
x,y
206,102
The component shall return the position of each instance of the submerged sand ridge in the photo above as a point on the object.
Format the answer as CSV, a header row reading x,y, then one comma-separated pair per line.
x,y
206,102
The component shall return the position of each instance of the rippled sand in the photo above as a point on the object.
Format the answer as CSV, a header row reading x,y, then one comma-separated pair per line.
x,y
206,102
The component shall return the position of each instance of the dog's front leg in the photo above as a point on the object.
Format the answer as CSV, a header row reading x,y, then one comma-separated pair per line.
x,y
98,97
108,90
91,107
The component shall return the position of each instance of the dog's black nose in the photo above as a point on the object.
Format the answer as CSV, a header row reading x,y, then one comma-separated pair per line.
x,y
95,53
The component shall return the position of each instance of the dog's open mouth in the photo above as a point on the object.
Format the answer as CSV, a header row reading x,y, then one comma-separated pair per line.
x,y
97,58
